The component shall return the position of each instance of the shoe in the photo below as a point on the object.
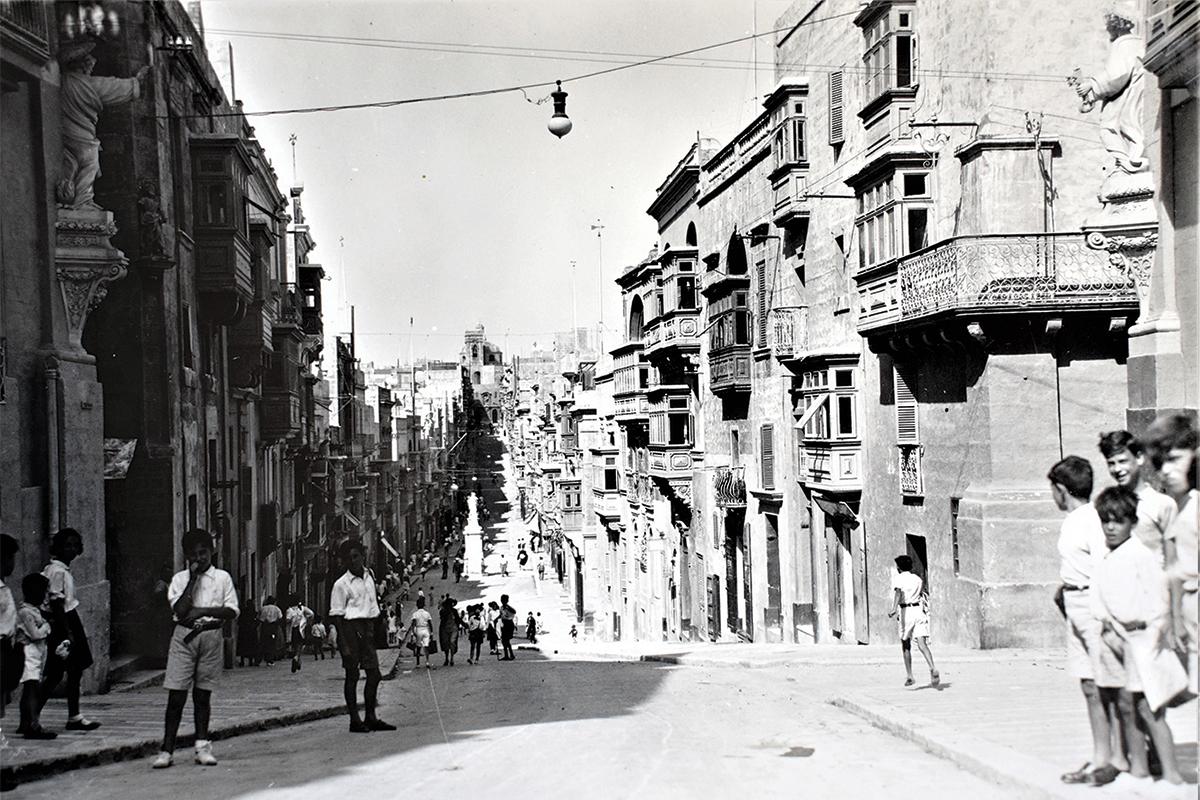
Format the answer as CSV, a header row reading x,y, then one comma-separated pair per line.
x,y
82,724
162,761
38,732
1078,776
380,725
935,678
360,727
1104,775
909,681
204,756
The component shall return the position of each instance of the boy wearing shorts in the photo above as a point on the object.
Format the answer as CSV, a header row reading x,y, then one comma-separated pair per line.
x,y
202,599
33,630
908,605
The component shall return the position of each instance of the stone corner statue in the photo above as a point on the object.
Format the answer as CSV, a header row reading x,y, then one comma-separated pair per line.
x,y
83,97
473,505
1119,87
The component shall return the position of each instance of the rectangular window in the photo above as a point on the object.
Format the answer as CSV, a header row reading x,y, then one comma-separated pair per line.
x,y
845,416
796,128
954,501
904,61
883,209
687,293
907,418
918,229
185,337
735,448
768,456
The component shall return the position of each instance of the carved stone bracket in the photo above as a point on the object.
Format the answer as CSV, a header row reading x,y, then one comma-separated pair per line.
x,y
1132,252
683,490
85,262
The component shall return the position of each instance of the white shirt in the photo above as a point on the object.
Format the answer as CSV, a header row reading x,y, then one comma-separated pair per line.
x,y
8,611
213,589
353,597
1183,531
1155,513
1080,545
1129,586
298,617
909,584
62,584
422,619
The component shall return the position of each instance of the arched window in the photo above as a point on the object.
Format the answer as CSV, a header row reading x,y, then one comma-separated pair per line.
x,y
735,256
690,239
475,377
475,353
635,319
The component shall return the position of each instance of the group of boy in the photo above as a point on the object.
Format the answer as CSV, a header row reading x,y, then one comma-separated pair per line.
x,y
1128,562
43,640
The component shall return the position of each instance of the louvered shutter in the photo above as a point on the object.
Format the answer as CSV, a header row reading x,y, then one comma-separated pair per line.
x,y
768,456
907,429
837,133
761,269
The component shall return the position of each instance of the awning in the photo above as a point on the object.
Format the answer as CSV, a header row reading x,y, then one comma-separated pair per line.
x,y
838,510
383,540
812,410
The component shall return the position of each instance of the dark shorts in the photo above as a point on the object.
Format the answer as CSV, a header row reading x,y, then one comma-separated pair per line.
x,y
507,630
357,640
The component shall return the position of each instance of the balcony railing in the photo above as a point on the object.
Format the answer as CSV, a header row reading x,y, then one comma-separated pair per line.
x,y
788,328
995,273
23,24
730,485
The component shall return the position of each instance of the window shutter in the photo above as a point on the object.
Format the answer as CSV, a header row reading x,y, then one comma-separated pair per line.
x,y
837,133
907,429
768,456
761,269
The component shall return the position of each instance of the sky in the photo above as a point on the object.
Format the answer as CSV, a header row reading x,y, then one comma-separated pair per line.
x,y
467,211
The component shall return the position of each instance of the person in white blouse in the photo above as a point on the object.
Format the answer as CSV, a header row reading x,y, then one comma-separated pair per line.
x,y
354,606
202,599
66,625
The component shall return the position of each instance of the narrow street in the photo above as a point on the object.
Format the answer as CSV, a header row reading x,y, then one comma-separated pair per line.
x,y
539,728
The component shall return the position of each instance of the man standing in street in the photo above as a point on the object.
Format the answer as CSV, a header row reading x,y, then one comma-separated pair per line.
x,y
909,606
508,628
202,598
1080,545
354,607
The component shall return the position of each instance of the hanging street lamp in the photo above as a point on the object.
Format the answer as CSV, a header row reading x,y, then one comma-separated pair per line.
x,y
560,123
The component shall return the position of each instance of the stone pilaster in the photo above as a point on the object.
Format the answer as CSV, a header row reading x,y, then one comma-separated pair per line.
x,y
85,262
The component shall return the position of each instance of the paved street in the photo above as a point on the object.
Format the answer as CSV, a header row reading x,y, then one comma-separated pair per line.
x,y
536,728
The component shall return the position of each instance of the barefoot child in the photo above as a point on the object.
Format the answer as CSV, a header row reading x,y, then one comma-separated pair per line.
x,y
33,631
908,600
1131,599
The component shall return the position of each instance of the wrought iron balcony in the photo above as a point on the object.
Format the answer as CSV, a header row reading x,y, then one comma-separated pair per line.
x,y
23,26
992,274
788,328
730,485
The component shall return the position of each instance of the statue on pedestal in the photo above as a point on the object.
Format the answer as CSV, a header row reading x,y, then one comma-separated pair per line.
x,y
473,505
84,96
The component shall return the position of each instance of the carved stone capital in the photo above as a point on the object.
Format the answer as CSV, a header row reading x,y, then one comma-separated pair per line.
x,y
85,262
1130,250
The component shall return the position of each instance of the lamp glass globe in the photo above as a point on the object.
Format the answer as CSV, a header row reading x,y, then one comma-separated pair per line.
x,y
560,126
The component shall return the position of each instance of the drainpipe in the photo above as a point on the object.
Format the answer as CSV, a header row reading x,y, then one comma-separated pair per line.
x,y
53,445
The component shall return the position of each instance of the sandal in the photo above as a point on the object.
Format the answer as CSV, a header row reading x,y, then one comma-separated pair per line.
x,y
935,678
1078,776
909,681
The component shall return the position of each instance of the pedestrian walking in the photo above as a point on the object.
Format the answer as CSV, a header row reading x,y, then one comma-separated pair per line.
x,y
531,628
910,606
1130,597
1127,465
458,568
504,566
493,626
354,606
508,628
270,634
574,634
299,616
445,567
202,599
420,628
522,557
32,632
66,626
247,637
475,632
1173,441
1100,674
541,568
449,625
316,638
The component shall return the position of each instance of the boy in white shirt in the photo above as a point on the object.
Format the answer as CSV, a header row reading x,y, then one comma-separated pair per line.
x,y
1129,595
202,599
908,602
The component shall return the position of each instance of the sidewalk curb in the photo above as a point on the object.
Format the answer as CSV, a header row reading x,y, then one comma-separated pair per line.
x,y
993,762
141,748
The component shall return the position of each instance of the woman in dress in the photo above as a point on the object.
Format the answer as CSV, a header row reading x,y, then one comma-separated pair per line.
x,y
449,624
269,633
493,627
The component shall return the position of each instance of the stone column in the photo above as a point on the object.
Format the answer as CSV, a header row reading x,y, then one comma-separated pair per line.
x,y
85,263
